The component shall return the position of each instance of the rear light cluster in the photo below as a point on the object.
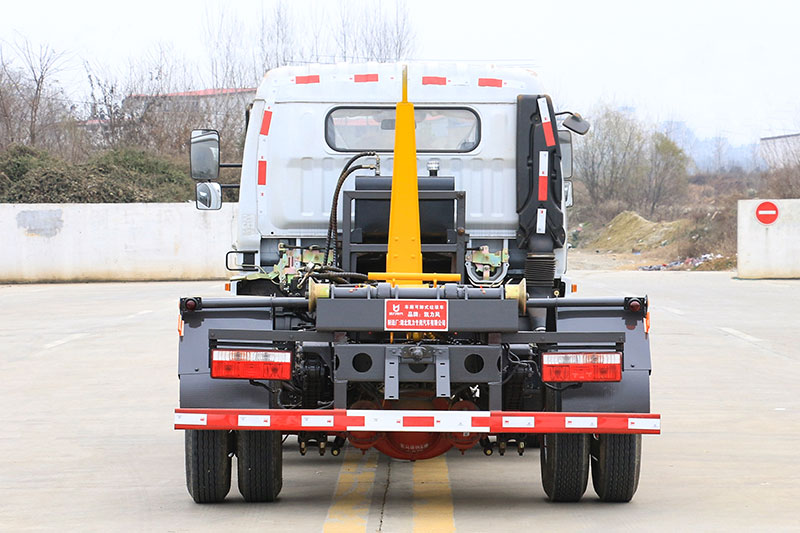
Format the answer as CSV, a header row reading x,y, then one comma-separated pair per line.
x,y
581,366
251,364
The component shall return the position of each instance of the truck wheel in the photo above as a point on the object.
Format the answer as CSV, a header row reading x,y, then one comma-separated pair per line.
x,y
616,462
208,466
565,466
260,465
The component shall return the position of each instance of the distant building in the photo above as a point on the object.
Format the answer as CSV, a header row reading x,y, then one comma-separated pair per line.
x,y
781,150
202,101
163,121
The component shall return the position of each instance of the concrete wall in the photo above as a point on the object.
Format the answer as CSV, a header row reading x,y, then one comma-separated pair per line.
x,y
771,251
81,242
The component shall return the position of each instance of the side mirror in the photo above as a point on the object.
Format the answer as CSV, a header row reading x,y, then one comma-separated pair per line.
x,y
565,142
204,155
575,123
567,193
208,196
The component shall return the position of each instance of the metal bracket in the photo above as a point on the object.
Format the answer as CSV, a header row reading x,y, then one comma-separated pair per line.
x,y
442,358
340,394
391,378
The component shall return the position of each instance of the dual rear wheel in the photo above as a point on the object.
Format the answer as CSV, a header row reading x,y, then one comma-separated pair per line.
x,y
614,460
208,464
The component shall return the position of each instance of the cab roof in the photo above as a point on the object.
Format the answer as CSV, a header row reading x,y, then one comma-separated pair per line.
x,y
381,83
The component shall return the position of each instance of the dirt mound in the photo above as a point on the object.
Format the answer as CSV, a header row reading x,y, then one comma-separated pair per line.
x,y
628,232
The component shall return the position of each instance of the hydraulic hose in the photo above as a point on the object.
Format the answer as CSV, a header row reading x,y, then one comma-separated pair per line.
x,y
332,222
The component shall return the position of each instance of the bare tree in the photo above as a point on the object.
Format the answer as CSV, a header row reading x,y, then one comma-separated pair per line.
x,y
666,179
12,103
317,37
228,51
40,65
33,107
372,33
276,39
720,154
625,164
403,35
344,38
611,156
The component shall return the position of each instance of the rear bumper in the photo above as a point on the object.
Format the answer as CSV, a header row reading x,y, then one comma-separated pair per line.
x,y
489,422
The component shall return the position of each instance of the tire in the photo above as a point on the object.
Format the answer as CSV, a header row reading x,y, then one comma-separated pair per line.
x,y
260,465
565,466
616,462
208,466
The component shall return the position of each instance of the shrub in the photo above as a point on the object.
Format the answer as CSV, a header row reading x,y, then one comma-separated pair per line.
x,y
116,176
17,160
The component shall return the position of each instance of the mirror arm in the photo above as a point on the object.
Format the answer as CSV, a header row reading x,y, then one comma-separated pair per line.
x,y
230,165
229,185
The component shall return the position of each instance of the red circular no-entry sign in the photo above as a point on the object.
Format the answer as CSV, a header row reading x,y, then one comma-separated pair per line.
x,y
767,213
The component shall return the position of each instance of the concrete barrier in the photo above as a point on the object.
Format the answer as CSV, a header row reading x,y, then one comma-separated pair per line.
x,y
768,248
85,242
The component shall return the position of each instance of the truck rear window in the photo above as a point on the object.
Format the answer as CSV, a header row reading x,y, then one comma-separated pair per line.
x,y
439,129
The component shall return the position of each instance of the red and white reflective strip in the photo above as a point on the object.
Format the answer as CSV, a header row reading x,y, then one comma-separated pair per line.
x,y
263,133
490,82
341,420
266,120
365,78
304,80
547,123
541,220
434,80
544,174
262,172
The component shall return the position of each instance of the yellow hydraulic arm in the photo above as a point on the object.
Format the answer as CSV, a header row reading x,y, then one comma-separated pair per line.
x,y
404,257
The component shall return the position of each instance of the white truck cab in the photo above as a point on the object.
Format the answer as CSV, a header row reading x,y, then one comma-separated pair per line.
x,y
306,122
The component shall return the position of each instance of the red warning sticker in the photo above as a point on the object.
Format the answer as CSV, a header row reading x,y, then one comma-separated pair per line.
x,y
415,315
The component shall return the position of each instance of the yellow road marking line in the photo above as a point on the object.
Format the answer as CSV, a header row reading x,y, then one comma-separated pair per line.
x,y
350,507
433,499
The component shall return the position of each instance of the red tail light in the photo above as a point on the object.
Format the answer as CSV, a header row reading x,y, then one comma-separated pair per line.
x,y
251,364
581,366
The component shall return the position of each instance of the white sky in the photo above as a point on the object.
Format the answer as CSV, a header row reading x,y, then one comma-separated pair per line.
x,y
728,69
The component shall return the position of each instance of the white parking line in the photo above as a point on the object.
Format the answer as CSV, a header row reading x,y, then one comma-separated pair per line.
x,y
737,333
64,340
